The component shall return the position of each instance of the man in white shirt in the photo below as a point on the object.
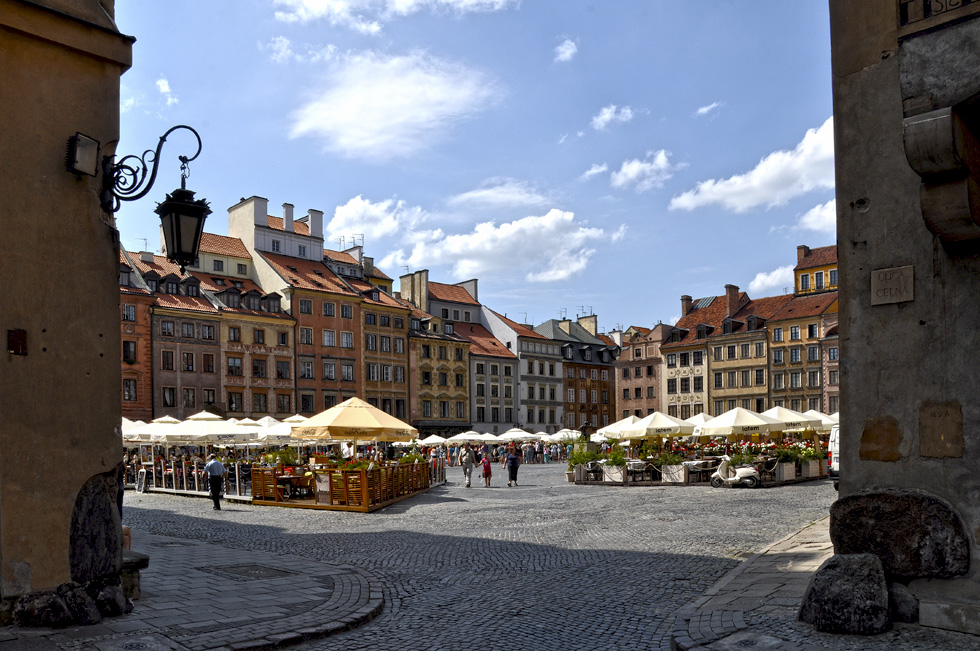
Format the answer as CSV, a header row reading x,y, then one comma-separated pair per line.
x,y
216,477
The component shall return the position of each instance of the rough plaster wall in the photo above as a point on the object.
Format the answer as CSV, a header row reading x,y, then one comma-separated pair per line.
x,y
896,359
60,404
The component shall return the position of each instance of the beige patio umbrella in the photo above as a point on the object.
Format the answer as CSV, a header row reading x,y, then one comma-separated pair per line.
x,y
794,421
826,422
432,439
205,427
517,434
698,419
656,425
612,430
465,437
156,426
355,420
739,421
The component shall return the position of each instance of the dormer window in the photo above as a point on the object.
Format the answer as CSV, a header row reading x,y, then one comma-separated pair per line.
x,y
276,246
416,324
233,300
191,290
219,265
219,282
238,284
152,284
448,328
273,302
171,287
302,250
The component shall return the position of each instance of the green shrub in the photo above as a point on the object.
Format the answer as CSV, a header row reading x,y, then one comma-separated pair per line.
x,y
617,457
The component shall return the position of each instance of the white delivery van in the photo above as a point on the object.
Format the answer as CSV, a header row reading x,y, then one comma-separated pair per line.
x,y
833,450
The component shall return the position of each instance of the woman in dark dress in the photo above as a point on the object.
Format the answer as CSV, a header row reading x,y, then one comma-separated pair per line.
x,y
512,461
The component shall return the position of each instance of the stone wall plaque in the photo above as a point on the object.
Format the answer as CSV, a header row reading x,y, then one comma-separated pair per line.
x,y
881,439
895,285
941,429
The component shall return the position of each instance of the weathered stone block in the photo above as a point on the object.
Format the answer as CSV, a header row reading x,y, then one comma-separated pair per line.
x,y
96,531
848,594
915,534
111,601
903,604
42,609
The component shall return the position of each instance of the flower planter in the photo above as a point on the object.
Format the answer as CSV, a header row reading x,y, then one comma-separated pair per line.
x,y
579,472
785,471
809,469
675,474
570,475
614,474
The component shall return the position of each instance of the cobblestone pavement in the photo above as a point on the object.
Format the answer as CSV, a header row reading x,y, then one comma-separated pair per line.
x,y
545,565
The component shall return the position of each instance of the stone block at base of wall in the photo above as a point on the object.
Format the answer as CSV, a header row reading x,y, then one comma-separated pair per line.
x,y
848,594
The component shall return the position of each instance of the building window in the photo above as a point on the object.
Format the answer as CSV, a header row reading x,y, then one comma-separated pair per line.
x,y
347,372
794,355
283,338
730,352
167,360
282,370
685,385
167,328
778,381
129,390
258,336
672,385
329,370
698,385
276,246
258,367
346,311
305,306
399,374
795,380
777,334
813,353
760,349
744,351
813,379
302,254
189,398
697,360
732,379
833,282
207,332
777,357
187,362
260,402
671,360
306,370
218,265
832,403
370,318
804,282
234,333
399,346
328,309
329,338
371,372
760,377
306,336
719,407
129,313
685,359
719,384
426,408
716,353
832,354
169,397
235,366
283,403
371,342
794,333
832,377
746,378
811,331
129,351
346,339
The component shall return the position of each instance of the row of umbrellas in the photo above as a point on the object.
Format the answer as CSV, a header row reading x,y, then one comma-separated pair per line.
x,y
510,436
737,421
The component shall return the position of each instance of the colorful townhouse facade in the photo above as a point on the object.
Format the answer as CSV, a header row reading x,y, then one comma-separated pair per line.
x,y
639,371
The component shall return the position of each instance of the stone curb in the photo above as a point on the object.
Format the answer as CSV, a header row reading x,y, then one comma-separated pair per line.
x,y
694,628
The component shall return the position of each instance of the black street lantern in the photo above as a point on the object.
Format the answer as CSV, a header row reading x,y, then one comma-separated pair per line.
x,y
181,216
182,220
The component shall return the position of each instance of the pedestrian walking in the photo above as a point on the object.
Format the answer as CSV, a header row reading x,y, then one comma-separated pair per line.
x,y
216,477
466,460
487,472
512,462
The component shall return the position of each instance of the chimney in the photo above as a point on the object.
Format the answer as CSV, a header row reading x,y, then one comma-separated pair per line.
x,y
316,224
565,325
368,265
731,299
590,322
287,217
146,257
685,305
802,251
471,287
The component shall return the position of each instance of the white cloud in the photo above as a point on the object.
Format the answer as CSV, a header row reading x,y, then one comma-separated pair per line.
x,y
593,171
366,16
164,87
501,193
779,177
821,218
380,107
281,50
545,248
563,138
128,104
379,219
705,110
778,279
643,175
566,50
611,113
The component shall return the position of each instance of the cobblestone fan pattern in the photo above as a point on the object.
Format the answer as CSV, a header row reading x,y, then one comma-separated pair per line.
x,y
539,566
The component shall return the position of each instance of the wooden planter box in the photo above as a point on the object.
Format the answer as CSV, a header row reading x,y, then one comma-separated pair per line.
x,y
785,471
614,474
675,474
570,475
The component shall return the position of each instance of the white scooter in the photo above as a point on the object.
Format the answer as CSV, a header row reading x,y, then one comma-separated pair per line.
x,y
728,475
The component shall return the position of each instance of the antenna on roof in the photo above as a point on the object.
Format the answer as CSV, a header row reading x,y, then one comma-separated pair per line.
x,y
340,241
563,312
581,309
353,239
525,316
786,290
145,244
405,267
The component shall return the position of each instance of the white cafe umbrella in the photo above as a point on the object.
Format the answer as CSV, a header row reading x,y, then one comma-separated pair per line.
x,y
268,421
432,439
656,425
567,435
835,417
612,431
739,421
295,418
826,422
205,427
793,421
465,437
489,438
516,434
698,419
155,426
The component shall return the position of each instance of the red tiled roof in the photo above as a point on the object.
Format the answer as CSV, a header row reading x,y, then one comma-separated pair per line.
x,y
606,339
521,330
483,343
223,245
712,314
138,291
377,273
208,282
806,306
122,258
300,228
365,288
192,303
764,308
818,257
160,265
307,274
416,312
640,330
340,256
451,293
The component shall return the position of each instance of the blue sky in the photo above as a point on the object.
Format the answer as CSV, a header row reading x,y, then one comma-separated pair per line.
x,y
576,157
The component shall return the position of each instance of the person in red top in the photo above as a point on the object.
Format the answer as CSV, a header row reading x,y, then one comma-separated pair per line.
x,y
486,470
